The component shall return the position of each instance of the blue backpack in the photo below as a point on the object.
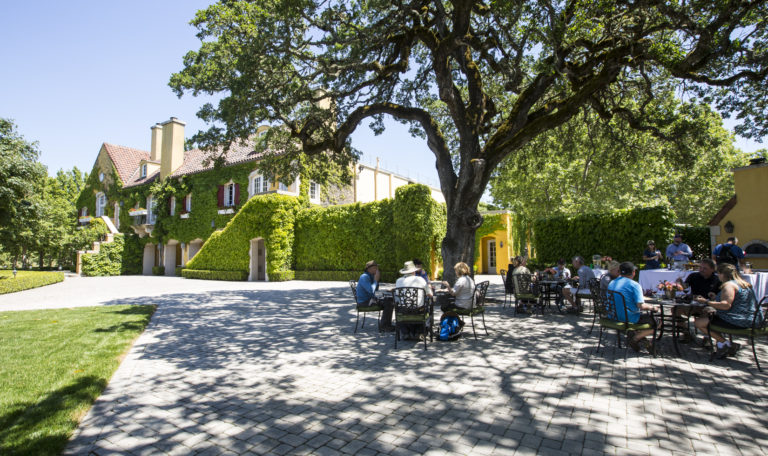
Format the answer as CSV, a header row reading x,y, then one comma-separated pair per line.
x,y
449,326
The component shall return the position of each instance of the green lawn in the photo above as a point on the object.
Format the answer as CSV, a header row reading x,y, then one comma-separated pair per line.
x,y
27,279
53,365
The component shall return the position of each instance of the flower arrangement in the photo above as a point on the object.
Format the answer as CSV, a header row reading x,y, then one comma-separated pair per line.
x,y
670,286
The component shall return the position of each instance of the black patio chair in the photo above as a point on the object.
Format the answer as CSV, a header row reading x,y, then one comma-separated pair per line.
x,y
412,306
759,328
363,308
477,306
598,302
525,292
509,289
611,320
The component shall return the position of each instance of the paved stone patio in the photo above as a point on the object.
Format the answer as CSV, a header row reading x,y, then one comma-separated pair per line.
x,y
276,369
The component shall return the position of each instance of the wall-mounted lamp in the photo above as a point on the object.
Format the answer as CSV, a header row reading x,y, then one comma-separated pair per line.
x,y
728,227
501,243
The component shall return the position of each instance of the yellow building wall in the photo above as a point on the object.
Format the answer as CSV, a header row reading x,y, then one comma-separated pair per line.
x,y
503,238
750,214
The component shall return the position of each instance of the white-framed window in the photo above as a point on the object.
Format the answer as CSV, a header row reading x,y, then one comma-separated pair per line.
x,y
144,170
84,212
188,203
314,191
101,203
257,184
151,210
229,195
101,177
172,204
283,187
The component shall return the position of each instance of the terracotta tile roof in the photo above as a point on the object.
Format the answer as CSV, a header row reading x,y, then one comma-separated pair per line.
x,y
723,212
126,160
194,159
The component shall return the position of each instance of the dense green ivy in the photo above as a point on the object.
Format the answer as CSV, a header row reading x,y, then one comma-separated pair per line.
x,y
107,262
621,234
344,238
491,224
270,217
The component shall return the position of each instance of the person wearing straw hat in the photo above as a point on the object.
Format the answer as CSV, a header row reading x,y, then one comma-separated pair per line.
x,y
367,285
410,279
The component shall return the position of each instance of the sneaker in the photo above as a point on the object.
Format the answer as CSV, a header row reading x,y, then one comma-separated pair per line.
x,y
721,352
733,349
632,342
649,346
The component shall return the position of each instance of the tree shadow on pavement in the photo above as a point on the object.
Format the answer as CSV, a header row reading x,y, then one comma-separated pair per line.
x,y
282,371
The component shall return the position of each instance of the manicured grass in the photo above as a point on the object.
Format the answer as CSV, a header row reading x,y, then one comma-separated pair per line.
x,y
53,365
27,279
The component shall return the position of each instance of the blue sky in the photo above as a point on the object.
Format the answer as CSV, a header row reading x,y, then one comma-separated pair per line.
x,y
76,74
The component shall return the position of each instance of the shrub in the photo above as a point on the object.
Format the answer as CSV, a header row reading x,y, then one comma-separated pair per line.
x,y
281,276
158,270
27,279
214,275
108,262
621,234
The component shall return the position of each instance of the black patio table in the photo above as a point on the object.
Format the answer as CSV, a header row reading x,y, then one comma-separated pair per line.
x,y
672,315
550,287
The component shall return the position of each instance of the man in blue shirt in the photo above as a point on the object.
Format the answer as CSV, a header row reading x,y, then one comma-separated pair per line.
x,y
421,272
678,252
367,285
633,299
729,252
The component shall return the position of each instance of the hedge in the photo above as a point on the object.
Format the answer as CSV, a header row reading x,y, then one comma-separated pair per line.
x,y
270,217
621,234
214,275
341,276
158,270
390,231
25,280
697,238
108,262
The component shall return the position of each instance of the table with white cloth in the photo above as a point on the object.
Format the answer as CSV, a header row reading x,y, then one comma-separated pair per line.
x,y
650,278
599,272
759,281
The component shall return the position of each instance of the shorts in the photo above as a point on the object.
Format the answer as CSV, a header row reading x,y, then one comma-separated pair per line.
x,y
724,324
646,319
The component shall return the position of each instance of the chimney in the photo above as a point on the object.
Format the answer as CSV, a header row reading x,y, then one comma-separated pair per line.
x,y
172,151
157,142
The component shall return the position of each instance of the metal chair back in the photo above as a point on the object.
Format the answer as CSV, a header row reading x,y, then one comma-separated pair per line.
x,y
523,285
410,301
479,295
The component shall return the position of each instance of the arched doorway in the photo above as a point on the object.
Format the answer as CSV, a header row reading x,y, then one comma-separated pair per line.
x,y
172,257
258,256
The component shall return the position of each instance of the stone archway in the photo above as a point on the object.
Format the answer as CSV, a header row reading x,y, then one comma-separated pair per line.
x,y
171,257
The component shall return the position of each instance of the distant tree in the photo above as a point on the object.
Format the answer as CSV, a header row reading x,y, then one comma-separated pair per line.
x,y
479,80
590,165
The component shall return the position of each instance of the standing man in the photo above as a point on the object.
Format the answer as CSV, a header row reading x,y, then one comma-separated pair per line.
x,y
678,252
367,285
729,253
633,298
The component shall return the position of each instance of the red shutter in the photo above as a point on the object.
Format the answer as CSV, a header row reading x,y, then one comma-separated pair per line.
x,y
237,194
221,196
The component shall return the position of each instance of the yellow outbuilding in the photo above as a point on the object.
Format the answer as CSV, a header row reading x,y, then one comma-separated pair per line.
x,y
745,216
493,242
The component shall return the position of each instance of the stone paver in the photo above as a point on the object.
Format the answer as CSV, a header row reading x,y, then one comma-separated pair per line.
x,y
276,369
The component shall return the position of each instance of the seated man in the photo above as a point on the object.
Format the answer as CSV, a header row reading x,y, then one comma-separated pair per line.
x,y
583,274
633,298
421,272
703,283
367,285
613,273
410,279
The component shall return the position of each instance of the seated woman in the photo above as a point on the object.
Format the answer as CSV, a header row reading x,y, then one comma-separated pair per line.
x,y
735,305
463,288
519,263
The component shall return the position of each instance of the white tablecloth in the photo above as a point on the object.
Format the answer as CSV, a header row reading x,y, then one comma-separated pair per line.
x,y
759,281
599,272
649,278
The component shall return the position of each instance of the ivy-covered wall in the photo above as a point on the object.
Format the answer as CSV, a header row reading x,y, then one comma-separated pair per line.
x,y
343,238
270,217
621,234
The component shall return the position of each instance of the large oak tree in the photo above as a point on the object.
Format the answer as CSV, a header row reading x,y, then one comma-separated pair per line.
x,y
479,80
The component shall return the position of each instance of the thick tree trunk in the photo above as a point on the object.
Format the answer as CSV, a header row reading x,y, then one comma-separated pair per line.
x,y
459,243
40,260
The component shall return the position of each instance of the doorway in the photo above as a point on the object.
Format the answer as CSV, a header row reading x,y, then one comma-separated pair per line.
x,y
258,260
149,259
491,256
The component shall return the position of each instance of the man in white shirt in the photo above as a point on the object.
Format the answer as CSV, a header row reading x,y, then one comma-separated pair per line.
x,y
583,274
410,279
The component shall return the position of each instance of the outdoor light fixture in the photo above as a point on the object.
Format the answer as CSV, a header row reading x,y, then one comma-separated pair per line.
x,y
501,243
728,227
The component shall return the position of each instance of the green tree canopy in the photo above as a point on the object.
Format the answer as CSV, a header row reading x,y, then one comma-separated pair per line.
x,y
590,165
479,80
